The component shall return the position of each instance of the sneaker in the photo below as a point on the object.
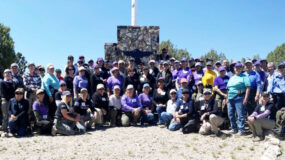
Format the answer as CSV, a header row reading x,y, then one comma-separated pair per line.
x,y
162,126
257,139
4,134
233,131
241,134
219,134
53,131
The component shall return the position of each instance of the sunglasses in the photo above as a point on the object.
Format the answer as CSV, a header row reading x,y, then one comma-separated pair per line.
x,y
8,72
62,85
71,69
207,94
19,93
41,69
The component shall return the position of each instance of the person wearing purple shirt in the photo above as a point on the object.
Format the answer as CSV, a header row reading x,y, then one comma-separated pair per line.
x,y
260,72
146,101
183,72
40,109
114,80
80,82
262,118
131,107
220,86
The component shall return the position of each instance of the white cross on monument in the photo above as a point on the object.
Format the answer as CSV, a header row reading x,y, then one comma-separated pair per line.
x,y
134,12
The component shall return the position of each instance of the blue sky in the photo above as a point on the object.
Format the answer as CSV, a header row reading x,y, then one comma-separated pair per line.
x,y
47,31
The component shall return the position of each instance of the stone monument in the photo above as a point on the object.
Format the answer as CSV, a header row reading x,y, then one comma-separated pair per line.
x,y
139,42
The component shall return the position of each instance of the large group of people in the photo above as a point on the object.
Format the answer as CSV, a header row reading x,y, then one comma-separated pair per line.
x,y
194,95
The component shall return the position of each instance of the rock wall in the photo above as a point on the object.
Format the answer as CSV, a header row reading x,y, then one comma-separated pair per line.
x,y
139,42
144,38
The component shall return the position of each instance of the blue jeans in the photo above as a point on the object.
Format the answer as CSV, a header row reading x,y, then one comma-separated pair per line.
x,y
19,126
174,126
159,110
148,118
166,117
236,105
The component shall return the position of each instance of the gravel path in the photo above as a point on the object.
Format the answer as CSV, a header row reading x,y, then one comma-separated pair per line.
x,y
132,143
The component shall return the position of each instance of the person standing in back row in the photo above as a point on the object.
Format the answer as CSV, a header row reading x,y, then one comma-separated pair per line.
x,y
7,89
238,92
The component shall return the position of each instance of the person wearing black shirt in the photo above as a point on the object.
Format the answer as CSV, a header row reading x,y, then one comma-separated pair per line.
x,y
7,90
144,78
131,79
81,107
96,78
160,98
65,117
62,88
153,70
185,115
167,75
69,76
101,104
209,114
262,118
18,109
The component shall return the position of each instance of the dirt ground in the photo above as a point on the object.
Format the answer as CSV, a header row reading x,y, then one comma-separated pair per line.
x,y
133,143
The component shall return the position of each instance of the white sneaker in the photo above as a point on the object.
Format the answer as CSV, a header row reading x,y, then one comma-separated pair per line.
x,y
4,134
53,131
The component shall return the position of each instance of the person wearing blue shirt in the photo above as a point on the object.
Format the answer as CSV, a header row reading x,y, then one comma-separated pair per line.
x,y
278,93
51,85
255,87
18,109
238,92
185,116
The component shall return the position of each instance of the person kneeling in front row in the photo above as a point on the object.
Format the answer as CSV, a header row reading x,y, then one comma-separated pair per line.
x,y
209,114
18,108
40,109
84,108
65,117
262,118
185,116
131,107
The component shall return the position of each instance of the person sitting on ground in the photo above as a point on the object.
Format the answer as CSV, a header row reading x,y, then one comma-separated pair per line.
x,y
146,101
262,118
210,115
85,109
101,104
185,115
18,109
66,120
170,108
115,106
40,109
131,107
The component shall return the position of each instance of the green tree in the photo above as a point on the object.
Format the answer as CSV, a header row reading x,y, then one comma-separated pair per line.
x,y
173,51
278,55
257,57
21,61
7,52
214,55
